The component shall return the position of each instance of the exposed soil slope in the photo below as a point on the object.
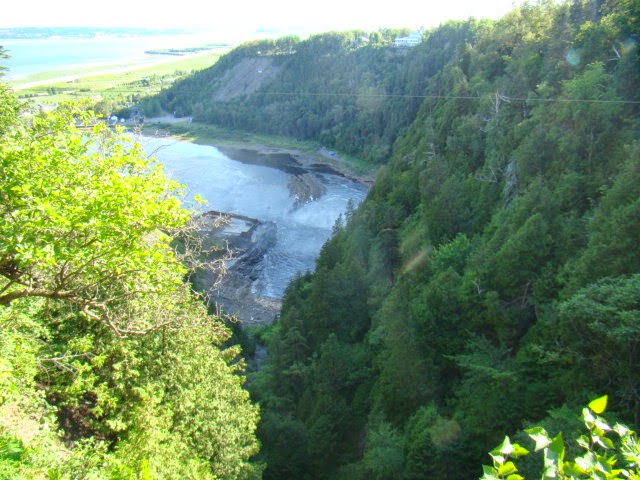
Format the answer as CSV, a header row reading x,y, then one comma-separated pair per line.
x,y
245,77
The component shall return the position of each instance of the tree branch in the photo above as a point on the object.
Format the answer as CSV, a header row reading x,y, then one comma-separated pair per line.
x,y
7,298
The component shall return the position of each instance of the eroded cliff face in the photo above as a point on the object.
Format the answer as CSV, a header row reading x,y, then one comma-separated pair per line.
x,y
244,78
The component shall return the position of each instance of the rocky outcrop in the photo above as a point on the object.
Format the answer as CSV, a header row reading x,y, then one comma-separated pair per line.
x,y
248,240
305,188
257,242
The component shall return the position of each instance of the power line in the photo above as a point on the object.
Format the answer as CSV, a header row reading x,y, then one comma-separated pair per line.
x,y
457,97
505,98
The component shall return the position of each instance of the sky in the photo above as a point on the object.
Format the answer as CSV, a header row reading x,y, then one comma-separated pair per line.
x,y
286,16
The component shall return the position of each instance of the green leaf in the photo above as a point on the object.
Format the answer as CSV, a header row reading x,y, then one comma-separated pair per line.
x,y
588,417
599,405
601,424
573,469
519,451
540,436
621,430
508,468
604,442
199,199
505,448
490,473
557,446
11,449
586,462
604,465
583,441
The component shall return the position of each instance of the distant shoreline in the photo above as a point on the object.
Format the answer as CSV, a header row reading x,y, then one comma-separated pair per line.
x,y
21,84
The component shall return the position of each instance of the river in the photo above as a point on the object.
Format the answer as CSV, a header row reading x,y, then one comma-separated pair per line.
x,y
251,184
257,185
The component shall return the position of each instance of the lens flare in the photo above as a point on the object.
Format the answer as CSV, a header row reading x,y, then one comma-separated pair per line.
x,y
628,45
573,57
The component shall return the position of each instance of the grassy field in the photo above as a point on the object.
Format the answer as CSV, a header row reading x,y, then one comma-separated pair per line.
x,y
121,82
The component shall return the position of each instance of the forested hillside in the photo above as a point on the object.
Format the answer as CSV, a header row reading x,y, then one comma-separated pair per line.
x,y
348,90
489,282
110,367
492,277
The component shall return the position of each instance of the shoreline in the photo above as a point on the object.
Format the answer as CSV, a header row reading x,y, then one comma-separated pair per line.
x,y
235,295
239,147
107,69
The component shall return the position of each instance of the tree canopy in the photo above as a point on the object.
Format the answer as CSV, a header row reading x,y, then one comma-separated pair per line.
x,y
110,366
489,280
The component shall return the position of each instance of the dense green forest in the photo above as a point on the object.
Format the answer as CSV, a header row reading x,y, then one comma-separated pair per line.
x,y
489,285
347,90
110,366
491,279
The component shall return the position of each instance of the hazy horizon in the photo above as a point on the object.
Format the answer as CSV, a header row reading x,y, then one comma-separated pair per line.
x,y
280,17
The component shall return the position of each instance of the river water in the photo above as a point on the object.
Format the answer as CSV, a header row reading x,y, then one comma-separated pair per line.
x,y
261,191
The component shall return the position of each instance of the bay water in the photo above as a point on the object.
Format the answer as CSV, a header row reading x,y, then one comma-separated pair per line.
x,y
28,56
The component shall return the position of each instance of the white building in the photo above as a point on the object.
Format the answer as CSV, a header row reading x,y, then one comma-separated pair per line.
x,y
414,38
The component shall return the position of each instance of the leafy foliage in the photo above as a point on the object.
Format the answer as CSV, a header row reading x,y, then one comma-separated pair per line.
x,y
348,90
492,270
110,366
601,459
